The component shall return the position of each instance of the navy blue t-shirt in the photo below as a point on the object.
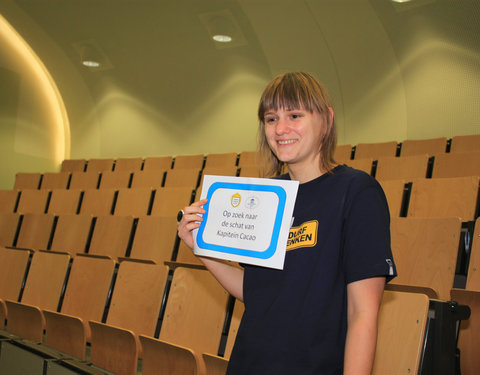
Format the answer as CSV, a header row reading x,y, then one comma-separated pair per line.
x,y
295,319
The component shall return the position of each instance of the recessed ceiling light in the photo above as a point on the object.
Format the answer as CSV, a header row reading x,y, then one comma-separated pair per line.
x,y
401,1
91,63
222,38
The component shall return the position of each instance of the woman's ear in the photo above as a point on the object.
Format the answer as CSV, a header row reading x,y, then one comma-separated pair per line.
x,y
332,114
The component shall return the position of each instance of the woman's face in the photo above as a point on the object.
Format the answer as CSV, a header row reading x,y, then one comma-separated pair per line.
x,y
295,136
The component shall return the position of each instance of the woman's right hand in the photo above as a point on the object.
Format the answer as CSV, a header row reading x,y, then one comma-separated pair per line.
x,y
191,220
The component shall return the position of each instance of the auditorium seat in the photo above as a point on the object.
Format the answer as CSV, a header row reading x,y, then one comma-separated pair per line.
x,y
187,177
84,300
3,314
343,153
72,233
135,202
188,161
364,164
432,146
375,150
153,178
157,163
100,165
55,180
444,197
407,167
217,171
238,310
111,236
469,339
43,288
459,164
464,143
214,364
73,165
84,180
402,322
394,192
8,200
192,324
228,159
63,201
425,252
33,201
13,267
154,239
97,202
186,255
115,180
128,164
35,231
27,180
249,158
8,228
134,310
250,171
169,200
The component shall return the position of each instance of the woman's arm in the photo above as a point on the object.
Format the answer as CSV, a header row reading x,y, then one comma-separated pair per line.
x,y
230,277
364,298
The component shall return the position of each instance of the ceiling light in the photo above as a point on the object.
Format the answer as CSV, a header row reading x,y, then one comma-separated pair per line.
x,y
222,38
401,1
91,63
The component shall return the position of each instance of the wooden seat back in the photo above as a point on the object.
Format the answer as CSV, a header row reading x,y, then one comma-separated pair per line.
x,y
169,200
458,164
72,233
35,231
13,265
432,146
63,201
33,201
111,236
375,150
407,167
8,228
425,252
134,202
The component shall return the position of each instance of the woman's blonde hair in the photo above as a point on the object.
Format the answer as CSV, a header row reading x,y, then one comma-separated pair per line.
x,y
291,91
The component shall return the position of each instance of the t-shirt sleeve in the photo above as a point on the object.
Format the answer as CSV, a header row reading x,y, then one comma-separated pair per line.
x,y
367,252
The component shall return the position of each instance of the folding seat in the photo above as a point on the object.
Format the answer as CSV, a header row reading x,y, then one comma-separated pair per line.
x,y
425,252
444,197
8,228
55,180
115,180
111,236
8,200
365,164
84,180
43,288
468,338
343,153
128,164
100,165
464,143
98,202
156,163
85,299
134,310
249,158
135,202
185,255
169,200
375,150
189,161
152,178
394,192
72,233
250,171
433,146
406,167
13,268
27,180
218,171
154,239
33,201
73,165
221,160
35,231
459,164
192,324
63,201
182,178
402,319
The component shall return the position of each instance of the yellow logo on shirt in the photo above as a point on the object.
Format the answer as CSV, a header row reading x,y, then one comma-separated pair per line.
x,y
303,236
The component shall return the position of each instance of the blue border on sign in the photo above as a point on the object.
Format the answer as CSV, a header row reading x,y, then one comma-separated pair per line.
x,y
282,197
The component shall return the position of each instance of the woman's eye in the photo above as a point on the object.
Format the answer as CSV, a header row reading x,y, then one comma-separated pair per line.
x,y
270,119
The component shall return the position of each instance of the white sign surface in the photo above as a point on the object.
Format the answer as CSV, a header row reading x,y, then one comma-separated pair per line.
x,y
247,219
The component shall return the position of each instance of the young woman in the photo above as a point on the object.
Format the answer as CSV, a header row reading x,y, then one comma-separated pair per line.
x,y
319,314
